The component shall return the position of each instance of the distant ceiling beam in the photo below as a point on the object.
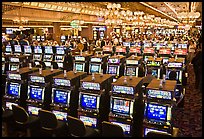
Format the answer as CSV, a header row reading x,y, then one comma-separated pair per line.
x,y
171,8
158,11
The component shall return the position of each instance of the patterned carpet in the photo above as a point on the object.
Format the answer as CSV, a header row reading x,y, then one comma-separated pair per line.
x,y
189,118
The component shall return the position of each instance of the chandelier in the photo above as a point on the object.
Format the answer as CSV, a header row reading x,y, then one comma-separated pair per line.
x,y
188,17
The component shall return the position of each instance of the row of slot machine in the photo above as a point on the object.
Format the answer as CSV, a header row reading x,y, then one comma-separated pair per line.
x,y
93,98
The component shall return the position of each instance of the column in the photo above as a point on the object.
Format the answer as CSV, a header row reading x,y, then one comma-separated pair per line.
x,y
56,32
87,32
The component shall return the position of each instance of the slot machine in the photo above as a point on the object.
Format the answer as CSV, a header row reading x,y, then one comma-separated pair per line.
x,y
108,49
59,56
156,65
158,46
165,54
16,87
98,64
147,53
177,65
65,94
28,52
8,50
48,56
171,46
3,73
37,56
39,90
81,62
16,62
159,104
115,66
94,99
133,66
126,105
17,50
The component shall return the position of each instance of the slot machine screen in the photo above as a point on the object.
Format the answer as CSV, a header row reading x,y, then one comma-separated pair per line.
x,y
9,105
125,127
146,130
38,50
60,65
79,66
94,68
88,121
17,48
58,58
177,74
42,38
33,110
182,46
14,67
88,101
131,70
165,60
36,93
27,49
121,106
47,57
62,116
8,49
48,64
112,69
14,90
61,97
156,112
60,51
63,38
38,38
159,94
154,73
48,50
146,58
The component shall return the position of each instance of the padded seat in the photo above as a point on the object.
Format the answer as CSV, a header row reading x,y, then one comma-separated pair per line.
x,y
111,130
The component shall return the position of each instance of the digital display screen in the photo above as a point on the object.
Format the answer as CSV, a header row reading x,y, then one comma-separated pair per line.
x,y
132,62
58,58
131,71
48,64
14,67
159,94
135,50
27,49
47,58
61,97
38,50
147,44
120,106
149,50
94,68
14,59
17,48
177,74
37,79
156,112
112,69
123,90
33,110
48,50
88,101
128,44
14,89
107,48
90,85
8,49
60,50
146,130
114,61
165,60
79,58
182,45
63,37
60,65
37,57
9,105
155,72
125,127
36,93
62,82
96,59
174,65
79,67
62,116
88,121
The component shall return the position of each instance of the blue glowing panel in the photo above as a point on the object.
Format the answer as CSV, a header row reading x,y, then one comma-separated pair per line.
x,y
88,101
121,106
94,68
14,89
159,94
48,50
37,50
154,73
17,48
112,70
36,93
60,97
60,50
156,112
27,49
79,67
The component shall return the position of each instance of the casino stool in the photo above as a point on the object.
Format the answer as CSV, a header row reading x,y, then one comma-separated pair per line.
x,y
78,129
7,121
24,122
111,130
50,125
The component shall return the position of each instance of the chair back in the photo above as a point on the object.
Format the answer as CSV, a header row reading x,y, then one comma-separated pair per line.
x,y
48,119
157,134
76,126
19,114
111,130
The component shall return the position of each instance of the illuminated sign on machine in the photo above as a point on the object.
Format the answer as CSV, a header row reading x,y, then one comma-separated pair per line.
x,y
62,82
132,62
90,85
107,48
13,76
123,90
175,65
180,52
96,59
159,94
37,79
79,58
120,49
60,51
135,50
164,51
148,50
114,60
88,121
14,59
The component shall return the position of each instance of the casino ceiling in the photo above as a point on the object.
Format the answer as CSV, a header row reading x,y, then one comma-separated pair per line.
x,y
48,12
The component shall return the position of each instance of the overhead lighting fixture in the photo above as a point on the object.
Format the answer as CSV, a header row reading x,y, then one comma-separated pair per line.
x,y
54,7
48,6
41,4
65,8
34,3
